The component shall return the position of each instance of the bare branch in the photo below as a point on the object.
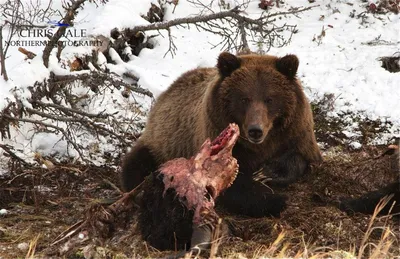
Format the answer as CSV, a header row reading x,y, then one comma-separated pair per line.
x,y
59,129
190,20
8,150
232,26
245,44
172,47
27,53
71,111
18,15
68,19
102,77
97,127
233,13
63,114
3,56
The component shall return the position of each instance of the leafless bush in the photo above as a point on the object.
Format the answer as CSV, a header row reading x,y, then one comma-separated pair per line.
x,y
32,14
56,107
71,10
391,63
18,15
234,27
384,6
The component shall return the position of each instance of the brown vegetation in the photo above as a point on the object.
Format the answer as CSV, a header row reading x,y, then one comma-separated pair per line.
x,y
43,203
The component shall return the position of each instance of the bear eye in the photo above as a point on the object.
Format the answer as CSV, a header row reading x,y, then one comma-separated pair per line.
x,y
245,100
268,100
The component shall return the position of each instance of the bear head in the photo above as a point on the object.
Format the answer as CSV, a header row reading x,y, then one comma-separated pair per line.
x,y
260,93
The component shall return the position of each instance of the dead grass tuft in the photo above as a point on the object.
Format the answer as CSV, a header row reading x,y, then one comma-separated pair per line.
x,y
391,63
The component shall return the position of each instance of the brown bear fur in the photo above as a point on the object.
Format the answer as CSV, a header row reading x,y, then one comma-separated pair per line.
x,y
193,109
258,92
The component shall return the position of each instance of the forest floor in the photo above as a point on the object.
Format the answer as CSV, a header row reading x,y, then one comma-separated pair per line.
x,y
40,204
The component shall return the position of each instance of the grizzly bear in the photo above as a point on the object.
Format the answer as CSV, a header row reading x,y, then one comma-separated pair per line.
x,y
262,95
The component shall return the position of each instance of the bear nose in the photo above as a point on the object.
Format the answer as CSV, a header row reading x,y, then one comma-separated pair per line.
x,y
255,132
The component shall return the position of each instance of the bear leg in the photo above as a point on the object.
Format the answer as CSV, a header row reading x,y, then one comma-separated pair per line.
x,y
165,223
367,203
138,163
250,198
286,169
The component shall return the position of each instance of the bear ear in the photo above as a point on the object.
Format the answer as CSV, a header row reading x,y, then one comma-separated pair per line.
x,y
227,63
288,65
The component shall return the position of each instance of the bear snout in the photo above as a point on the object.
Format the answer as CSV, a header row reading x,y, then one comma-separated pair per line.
x,y
255,133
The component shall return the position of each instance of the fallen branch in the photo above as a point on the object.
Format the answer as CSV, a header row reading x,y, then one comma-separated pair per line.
x,y
232,26
378,42
233,13
27,53
99,219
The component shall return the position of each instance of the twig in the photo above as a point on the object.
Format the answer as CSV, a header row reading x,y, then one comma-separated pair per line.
x,y
89,123
17,176
113,186
67,137
380,206
3,57
7,149
68,18
104,77
71,110
123,204
245,44
172,47
12,29
68,232
28,53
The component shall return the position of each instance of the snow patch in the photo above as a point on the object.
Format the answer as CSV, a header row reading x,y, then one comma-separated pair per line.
x,y
49,144
355,145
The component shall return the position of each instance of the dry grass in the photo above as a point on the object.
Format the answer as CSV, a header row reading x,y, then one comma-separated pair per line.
x,y
32,247
281,249
376,250
311,227
388,238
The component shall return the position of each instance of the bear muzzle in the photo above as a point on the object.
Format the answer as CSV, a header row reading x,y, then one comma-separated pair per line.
x,y
255,134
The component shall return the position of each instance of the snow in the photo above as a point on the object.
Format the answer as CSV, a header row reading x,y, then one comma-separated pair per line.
x,y
115,14
23,246
355,145
341,63
50,144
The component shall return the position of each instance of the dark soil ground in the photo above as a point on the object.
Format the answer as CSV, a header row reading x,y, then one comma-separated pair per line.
x,y
43,203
